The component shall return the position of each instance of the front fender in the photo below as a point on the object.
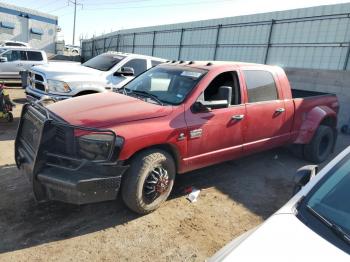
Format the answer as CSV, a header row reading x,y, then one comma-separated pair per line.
x,y
313,120
86,87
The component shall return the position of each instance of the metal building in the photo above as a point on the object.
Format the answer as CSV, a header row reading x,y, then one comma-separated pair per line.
x,y
316,37
26,25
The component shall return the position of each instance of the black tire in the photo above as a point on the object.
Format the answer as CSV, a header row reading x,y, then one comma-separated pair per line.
x,y
321,145
143,167
9,117
345,129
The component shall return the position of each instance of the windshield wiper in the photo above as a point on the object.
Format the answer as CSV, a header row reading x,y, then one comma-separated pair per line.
x,y
144,93
337,230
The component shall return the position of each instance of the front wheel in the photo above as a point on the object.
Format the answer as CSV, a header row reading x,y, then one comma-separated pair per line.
x,y
321,145
149,181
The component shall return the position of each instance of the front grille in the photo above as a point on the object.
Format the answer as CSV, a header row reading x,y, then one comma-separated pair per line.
x,y
39,86
37,81
31,129
38,78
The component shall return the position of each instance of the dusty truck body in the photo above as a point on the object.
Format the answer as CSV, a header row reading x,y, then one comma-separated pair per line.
x,y
172,119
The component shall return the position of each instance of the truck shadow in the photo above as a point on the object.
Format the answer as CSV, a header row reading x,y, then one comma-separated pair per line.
x,y
24,223
261,183
8,130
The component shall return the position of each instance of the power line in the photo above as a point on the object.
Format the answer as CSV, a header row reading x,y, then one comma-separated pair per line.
x,y
44,6
157,6
59,8
118,2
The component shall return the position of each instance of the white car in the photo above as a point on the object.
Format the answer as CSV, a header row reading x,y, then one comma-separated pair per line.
x,y
314,225
16,59
72,49
104,72
14,44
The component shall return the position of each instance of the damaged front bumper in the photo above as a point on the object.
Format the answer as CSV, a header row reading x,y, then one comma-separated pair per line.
x,y
46,152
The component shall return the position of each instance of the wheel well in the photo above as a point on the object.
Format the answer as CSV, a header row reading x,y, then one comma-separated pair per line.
x,y
329,121
86,93
165,147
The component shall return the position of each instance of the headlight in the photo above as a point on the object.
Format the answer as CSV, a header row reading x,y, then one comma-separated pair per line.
x,y
98,146
58,86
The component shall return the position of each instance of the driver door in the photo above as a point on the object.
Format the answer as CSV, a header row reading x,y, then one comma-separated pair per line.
x,y
216,135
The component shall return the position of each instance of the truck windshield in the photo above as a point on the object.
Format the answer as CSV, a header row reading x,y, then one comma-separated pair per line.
x,y
104,62
170,84
330,197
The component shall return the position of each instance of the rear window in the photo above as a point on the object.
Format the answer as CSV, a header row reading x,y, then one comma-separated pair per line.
x,y
34,56
260,85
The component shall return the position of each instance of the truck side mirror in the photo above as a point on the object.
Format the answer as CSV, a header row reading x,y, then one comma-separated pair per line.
x,y
303,176
221,99
125,71
3,59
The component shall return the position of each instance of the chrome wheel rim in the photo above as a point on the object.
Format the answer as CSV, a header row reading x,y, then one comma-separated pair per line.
x,y
156,184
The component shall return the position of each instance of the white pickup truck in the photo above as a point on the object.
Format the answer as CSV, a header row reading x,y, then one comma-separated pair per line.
x,y
104,72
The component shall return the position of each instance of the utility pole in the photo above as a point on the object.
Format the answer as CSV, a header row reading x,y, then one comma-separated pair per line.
x,y
74,2
75,16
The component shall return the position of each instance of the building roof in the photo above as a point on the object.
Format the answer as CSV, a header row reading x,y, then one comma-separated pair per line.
x,y
29,13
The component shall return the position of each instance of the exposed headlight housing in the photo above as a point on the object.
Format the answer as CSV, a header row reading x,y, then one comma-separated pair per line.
x,y
58,86
99,146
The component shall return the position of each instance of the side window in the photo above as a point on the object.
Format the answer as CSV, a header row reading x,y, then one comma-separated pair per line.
x,y
34,56
11,55
154,63
23,55
214,91
261,86
139,65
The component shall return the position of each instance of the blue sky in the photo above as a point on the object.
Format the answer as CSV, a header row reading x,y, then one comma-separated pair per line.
x,y
96,17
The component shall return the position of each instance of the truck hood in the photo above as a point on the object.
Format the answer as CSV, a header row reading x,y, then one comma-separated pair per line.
x,y
58,70
283,237
106,109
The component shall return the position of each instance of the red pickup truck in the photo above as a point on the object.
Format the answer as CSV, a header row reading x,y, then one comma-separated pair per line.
x,y
173,118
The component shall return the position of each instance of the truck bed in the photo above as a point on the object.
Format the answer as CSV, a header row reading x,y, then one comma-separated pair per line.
x,y
298,93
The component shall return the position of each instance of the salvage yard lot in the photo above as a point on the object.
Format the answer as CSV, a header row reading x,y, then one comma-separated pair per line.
x,y
235,197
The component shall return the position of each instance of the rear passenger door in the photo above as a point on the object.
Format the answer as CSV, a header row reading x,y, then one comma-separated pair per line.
x,y
265,112
33,58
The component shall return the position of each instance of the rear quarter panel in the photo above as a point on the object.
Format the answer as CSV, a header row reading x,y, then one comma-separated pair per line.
x,y
309,114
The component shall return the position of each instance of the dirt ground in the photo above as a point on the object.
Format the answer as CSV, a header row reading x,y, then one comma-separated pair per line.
x,y
235,197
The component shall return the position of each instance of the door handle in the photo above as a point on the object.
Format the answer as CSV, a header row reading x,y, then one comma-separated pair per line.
x,y
280,110
237,117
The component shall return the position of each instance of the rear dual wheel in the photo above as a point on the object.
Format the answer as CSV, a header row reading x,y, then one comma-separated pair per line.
x,y
321,145
149,181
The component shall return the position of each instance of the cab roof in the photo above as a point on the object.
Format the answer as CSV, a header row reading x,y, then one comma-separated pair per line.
x,y
208,65
136,55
